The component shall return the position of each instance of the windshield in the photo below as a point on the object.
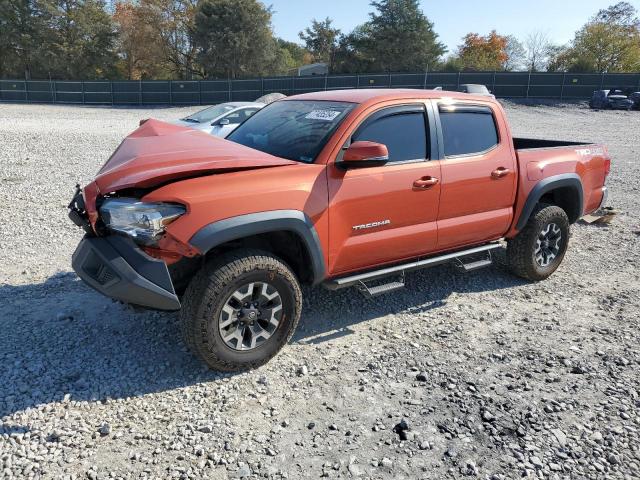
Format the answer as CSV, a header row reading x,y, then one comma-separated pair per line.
x,y
208,114
292,129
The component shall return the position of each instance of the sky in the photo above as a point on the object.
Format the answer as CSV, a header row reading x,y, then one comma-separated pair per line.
x,y
452,19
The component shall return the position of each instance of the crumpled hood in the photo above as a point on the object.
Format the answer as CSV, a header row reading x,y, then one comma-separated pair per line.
x,y
158,152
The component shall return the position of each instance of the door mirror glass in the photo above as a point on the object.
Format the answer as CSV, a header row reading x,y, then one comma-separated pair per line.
x,y
222,122
365,154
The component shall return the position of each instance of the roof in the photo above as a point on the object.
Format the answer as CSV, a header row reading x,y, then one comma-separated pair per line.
x,y
375,95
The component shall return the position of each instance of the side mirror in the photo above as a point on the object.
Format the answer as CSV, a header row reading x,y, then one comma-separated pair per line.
x,y
222,122
365,154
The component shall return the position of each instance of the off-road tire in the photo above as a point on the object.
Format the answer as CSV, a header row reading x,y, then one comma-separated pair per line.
x,y
521,249
206,295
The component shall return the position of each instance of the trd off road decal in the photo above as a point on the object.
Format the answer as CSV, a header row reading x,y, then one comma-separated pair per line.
x,y
585,152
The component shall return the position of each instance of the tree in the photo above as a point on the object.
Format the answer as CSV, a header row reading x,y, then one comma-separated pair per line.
x,y
516,55
234,38
537,46
82,40
321,39
291,56
621,14
483,53
352,54
57,38
451,64
397,38
172,24
139,46
564,59
609,42
24,27
402,38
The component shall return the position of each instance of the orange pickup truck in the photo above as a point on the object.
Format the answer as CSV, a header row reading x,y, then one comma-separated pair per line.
x,y
341,189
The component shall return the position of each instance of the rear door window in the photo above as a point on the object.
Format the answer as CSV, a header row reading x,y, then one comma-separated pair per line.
x,y
403,132
467,130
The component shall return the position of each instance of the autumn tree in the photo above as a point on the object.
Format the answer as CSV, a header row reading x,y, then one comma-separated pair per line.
x,y
483,53
134,43
321,39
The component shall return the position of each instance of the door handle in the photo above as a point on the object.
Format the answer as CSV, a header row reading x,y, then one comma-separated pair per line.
x,y
500,172
425,182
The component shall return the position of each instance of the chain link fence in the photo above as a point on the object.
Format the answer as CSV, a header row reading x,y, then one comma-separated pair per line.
x,y
207,92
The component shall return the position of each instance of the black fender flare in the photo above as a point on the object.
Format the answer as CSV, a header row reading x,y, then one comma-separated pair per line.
x,y
571,180
235,228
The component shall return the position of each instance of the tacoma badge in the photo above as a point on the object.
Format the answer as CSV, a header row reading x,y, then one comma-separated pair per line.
x,y
381,223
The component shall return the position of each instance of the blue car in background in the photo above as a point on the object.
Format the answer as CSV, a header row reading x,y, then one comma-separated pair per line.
x,y
610,100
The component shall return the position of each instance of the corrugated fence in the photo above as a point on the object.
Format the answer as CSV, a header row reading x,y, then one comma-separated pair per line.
x,y
206,92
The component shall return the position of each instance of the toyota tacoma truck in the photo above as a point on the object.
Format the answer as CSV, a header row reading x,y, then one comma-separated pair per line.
x,y
341,189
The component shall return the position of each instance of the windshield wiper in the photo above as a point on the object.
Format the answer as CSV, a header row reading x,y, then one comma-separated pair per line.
x,y
192,120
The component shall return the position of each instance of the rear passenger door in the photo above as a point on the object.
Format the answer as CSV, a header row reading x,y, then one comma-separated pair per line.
x,y
478,184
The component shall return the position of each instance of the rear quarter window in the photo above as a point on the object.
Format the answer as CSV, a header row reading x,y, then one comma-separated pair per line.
x,y
468,131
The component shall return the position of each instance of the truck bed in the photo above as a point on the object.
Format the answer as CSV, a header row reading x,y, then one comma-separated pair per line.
x,y
540,160
531,143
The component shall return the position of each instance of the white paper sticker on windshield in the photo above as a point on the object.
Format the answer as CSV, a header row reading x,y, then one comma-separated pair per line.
x,y
324,115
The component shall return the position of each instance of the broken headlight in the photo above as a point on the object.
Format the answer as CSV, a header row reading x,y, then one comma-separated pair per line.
x,y
143,222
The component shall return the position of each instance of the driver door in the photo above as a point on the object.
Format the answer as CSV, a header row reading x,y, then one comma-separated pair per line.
x,y
386,213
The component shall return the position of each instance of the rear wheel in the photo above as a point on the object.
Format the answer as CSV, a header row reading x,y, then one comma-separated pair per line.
x,y
537,251
240,310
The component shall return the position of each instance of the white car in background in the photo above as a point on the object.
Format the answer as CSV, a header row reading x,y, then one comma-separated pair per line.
x,y
220,120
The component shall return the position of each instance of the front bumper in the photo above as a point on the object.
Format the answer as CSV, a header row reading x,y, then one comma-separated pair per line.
x,y
116,267
621,105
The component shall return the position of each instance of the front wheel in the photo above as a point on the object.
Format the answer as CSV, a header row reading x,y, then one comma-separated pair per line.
x,y
240,310
537,251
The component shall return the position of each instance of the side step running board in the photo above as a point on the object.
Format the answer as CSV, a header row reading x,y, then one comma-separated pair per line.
x,y
370,292
361,278
474,262
477,265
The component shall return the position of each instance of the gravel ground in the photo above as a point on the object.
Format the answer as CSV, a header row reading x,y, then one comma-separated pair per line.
x,y
457,375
